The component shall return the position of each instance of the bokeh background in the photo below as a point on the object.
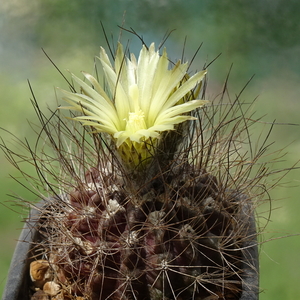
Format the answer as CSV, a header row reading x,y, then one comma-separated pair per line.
x,y
260,37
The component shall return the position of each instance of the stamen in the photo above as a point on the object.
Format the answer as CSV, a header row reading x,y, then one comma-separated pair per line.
x,y
136,122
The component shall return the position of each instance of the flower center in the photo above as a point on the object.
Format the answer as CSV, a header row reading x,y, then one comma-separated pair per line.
x,y
136,121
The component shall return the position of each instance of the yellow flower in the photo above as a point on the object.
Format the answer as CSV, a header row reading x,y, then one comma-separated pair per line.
x,y
144,98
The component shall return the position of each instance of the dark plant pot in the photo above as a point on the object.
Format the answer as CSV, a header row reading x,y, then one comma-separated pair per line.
x,y
18,280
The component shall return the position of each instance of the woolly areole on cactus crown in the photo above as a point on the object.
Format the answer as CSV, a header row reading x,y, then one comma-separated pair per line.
x,y
145,98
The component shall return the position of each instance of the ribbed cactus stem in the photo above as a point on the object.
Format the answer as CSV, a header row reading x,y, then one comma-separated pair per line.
x,y
177,241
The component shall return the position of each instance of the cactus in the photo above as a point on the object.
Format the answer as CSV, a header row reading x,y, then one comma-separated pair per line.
x,y
177,239
153,197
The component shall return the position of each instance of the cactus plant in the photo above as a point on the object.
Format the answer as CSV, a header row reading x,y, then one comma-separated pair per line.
x,y
154,196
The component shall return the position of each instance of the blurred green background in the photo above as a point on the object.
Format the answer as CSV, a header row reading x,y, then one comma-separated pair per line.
x,y
258,37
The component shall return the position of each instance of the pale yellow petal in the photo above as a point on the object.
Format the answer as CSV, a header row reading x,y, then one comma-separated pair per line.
x,y
184,89
146,70
97,118
180,109
93,96
131,71
99,127
167,84
79,101
120,96
119,59
96,86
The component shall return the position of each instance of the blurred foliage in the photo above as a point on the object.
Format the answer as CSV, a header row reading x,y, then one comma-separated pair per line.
x,y
258,37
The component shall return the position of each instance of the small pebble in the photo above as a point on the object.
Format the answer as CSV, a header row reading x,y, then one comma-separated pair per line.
x,y
39,295
51,288
38,272
38,269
